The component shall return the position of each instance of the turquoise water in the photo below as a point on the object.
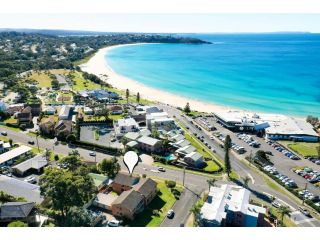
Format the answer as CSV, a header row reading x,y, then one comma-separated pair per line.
x,y
170,157
278,73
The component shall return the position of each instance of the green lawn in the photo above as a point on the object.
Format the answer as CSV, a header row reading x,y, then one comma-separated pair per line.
x,y
116,117
162,202
304,149
79,83
211,166
42,78
210,175
11,120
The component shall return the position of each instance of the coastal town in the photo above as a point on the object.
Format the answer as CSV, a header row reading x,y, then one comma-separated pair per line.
x,y
67,123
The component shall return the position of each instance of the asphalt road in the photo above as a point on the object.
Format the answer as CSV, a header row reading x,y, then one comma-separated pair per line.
x,y
194,182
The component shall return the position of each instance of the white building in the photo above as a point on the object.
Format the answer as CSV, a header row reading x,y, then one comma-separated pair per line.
x,y
7,158
49,110
125,125
276,126
65,113
160,120
228,205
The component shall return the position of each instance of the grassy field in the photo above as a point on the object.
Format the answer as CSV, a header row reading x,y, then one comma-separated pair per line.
x,y
304,149
11,120
162,202
79,83
42,78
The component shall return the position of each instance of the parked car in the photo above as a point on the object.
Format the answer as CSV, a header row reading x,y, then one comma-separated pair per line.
x,y
31,142
30,180
161,169
4,133
113,223
305,211
170,214
93,154
276,204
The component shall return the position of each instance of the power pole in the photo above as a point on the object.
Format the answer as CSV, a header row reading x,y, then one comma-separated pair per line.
x,y
37,141
184,175
304,198
95,155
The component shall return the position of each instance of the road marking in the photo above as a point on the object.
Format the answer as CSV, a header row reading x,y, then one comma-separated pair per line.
x,y
250,176
280,200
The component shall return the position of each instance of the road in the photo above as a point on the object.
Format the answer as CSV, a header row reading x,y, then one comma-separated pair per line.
x,y
258,185
195,183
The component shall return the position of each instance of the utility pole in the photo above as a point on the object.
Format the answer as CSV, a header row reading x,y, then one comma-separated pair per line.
x,y
95,155
304,198
184,175
37,133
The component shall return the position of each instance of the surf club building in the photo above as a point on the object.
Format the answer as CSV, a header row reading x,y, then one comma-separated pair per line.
x,y
274,126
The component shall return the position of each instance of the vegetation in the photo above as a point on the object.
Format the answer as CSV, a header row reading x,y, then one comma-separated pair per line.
x,y
305,149
78,217
227,163
17,224
4,197
68,187
109,167
187,109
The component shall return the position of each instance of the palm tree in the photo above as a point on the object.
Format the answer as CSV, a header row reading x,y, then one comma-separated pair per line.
x,y
127,95
211,182
246,181
47,154
283,210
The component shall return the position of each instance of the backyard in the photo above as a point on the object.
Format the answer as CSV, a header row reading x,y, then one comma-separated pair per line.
x,y
162,202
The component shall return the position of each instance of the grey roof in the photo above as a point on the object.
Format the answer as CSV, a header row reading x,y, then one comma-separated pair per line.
x,y
125,179
186,149
36,163
132,135
148,140
145,132
16,210
18,188
129,199
145,186
132,144
195,156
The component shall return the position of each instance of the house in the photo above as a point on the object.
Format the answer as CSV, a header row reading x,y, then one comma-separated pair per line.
x,y
125,125
145,132
49,110
128,204
63,128
100,180
147,188
88,111
18,188
65,113
116,109
181,143
36,163
123,182
15,108
228,205
4,146
104,200
185,150
194,159
132,144
177,138
132,136
141,111
149,144
36,108
9,157
24,116
160,121
18,211
47,127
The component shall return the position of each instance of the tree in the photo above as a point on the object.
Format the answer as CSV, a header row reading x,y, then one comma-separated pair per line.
x,y
138,97
261,154
17,224
4,197
187,109
66,189
211,182
47,154
23,126
71,138
109,167
283,210
72,161
78,217
246,181
227,146
154,131
171,184
127,95
10,141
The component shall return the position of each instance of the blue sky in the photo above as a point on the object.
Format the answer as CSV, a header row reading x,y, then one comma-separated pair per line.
x,y
165,22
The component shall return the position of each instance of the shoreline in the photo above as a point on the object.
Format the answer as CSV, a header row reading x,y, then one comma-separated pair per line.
x,y
98,65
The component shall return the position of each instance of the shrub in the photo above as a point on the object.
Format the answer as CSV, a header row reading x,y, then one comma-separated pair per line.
x,y
56,157
156,212
171,184
23,127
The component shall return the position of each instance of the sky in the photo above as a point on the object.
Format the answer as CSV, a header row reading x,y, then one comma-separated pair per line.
x,y
176,23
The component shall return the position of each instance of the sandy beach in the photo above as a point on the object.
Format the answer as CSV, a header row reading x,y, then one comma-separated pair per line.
x,y
97,65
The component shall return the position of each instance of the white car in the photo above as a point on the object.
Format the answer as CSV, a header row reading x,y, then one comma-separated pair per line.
x,y
93,154
114,223
276,204
30,179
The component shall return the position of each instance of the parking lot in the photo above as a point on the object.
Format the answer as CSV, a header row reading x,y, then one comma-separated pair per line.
x,y
99,135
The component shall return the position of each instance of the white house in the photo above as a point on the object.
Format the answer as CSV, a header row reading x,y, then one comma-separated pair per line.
x,y
125,125
228,205
160,120
65,113
8,158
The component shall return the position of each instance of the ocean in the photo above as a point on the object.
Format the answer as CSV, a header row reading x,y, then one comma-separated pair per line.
x,y
273,73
